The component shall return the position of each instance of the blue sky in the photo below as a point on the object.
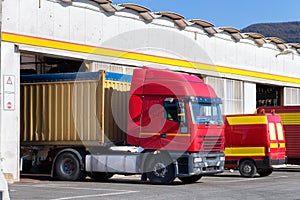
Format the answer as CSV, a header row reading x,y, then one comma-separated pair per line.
x,y
232,13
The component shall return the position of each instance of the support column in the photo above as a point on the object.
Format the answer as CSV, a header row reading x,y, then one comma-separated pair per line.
x,y
10,110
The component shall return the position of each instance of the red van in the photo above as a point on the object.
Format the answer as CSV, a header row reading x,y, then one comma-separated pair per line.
x,y
254,143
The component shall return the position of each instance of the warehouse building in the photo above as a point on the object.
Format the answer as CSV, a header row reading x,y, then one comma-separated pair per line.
x,y
49,36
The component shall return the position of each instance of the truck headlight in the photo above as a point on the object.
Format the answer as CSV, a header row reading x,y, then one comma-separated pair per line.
x,y
222,158
197,160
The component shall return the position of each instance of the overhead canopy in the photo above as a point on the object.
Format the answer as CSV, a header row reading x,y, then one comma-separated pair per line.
x,y
178,19
258,38
143,11
235,33
102,1
295,45
207,26
278,41
136,7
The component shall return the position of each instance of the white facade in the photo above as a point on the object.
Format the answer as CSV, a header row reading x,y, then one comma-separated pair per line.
x,y
84,30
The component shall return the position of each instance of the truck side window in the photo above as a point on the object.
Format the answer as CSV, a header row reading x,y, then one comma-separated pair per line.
x,y
171,109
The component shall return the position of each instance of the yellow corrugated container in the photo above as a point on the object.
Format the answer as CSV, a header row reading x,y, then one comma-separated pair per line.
x,y
73,112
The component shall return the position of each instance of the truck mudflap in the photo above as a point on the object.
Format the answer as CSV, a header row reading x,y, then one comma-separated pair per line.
x,y
267,162
189,164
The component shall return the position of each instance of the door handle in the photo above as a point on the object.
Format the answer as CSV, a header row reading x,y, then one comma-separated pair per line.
x,y
163,135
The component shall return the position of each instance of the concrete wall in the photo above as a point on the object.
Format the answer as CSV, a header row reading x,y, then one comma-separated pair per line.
x,y
84,22
249,97
10,109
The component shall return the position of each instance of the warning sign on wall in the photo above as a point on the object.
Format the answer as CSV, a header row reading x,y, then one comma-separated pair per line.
x,y
9,101
9,92
9,83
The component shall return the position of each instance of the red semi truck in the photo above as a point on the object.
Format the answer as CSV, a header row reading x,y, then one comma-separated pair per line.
x,y
290,116
254,143
74,124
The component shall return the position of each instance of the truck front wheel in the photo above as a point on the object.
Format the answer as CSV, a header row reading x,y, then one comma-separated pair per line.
x,y
247,168
190,179
67,167
160,170
264,172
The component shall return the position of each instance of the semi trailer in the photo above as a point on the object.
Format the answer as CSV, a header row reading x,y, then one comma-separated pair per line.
x,y
157,123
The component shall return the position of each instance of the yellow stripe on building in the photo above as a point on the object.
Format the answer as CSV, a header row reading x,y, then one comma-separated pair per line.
x,y
63,45
247,120
245,151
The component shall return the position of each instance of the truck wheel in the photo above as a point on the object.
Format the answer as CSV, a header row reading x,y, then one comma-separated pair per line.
x,y
101,176
264,172
247,168
190,179
67,167
160,170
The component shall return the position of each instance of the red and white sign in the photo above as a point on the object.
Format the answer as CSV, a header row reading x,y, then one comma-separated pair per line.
x,y
9,83
9,105
9,101
9,92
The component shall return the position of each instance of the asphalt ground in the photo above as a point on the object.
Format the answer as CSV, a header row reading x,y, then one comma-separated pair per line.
x,y
283,184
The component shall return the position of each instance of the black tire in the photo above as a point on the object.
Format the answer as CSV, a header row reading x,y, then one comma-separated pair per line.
x,y
101,176
247,168
190,179
160,170
264,172
67,167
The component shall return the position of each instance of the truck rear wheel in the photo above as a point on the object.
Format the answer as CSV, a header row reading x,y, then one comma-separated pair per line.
x,y
190,179
101,176
160,169
247,168
264,172
67,167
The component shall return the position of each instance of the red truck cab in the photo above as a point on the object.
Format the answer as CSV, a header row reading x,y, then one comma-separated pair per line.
x,y
178,114
254,143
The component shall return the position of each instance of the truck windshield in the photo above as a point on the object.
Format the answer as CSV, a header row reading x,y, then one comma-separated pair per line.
x,y
205,113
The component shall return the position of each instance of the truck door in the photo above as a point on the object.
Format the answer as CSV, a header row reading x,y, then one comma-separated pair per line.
x,y
174,134
151,122
277,139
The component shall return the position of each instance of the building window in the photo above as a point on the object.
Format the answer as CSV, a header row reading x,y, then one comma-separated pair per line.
x,y
291,96
230,91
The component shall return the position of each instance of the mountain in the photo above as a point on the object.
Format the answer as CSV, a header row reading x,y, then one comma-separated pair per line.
x,y
288,31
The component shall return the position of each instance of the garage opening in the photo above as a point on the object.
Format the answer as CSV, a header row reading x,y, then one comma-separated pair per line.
x,y
35,159
267,95
44,64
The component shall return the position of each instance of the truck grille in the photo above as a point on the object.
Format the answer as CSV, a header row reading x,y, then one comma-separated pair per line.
x,y
211,143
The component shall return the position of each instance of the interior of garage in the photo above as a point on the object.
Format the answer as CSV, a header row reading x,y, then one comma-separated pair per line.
x,y
268,95
44,64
